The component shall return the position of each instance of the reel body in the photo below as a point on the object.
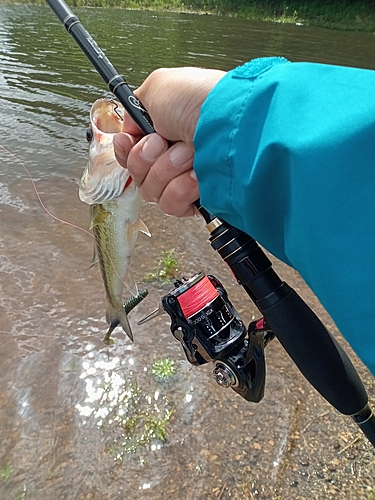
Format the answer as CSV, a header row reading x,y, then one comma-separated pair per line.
x,y
209,329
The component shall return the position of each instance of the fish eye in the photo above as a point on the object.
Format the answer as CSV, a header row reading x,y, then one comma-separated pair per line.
x,y
89,134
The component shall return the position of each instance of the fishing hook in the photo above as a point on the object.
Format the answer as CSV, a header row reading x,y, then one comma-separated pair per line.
x,y
116,109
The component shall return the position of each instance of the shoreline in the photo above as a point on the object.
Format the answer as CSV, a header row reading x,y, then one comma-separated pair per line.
x,y
344,15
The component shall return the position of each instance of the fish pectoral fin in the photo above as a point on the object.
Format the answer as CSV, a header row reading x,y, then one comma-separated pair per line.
x,y
137,226
98,215
124,322
129,233
141,226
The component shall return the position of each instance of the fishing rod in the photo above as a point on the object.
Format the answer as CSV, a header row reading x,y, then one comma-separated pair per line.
x,y
213,331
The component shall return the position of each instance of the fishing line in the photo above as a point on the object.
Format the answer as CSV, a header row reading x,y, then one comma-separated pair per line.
x,y
18,160
67,223
197,297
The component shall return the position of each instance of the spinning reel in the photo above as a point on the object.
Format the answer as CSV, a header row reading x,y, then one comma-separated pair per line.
x,y
209,329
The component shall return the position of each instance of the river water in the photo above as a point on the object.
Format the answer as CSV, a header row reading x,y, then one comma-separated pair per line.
x,y
75,414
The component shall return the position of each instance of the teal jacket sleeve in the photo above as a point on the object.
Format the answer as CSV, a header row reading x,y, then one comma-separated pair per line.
x,y
286,152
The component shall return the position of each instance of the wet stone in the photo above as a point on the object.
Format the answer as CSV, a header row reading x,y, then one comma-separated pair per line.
x,y
304,463
319,475
303,473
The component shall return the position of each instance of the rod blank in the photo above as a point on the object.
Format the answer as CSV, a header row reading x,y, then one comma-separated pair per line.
x,y
116,83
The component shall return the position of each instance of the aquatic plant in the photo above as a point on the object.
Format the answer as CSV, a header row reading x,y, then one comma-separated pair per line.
x,y
166,269
5,472
22,494
164,369
135,420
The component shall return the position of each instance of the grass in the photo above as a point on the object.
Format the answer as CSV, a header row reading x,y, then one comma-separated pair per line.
x,y
339,14
342,14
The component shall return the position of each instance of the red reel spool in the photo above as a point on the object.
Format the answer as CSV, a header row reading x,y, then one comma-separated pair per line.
x,y
198,296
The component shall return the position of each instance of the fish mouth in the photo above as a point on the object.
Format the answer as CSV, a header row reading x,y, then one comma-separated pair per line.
x,y
106,116
104,178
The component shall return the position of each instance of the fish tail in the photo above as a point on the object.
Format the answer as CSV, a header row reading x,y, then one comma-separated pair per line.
x,y
117,317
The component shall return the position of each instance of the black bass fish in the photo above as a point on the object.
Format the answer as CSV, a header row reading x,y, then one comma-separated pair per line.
x,y
115,204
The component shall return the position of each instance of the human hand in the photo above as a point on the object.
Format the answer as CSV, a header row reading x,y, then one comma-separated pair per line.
x,y
173,98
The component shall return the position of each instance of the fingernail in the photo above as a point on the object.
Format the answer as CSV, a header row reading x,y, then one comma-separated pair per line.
x,y
193,175
153,147
180,154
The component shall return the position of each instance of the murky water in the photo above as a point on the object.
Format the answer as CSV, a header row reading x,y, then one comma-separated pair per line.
x,y
80,420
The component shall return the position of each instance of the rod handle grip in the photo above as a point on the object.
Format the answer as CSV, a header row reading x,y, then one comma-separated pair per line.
x,y
316,353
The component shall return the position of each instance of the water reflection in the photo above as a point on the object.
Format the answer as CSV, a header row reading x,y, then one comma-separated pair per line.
x,y
6,198
133,411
